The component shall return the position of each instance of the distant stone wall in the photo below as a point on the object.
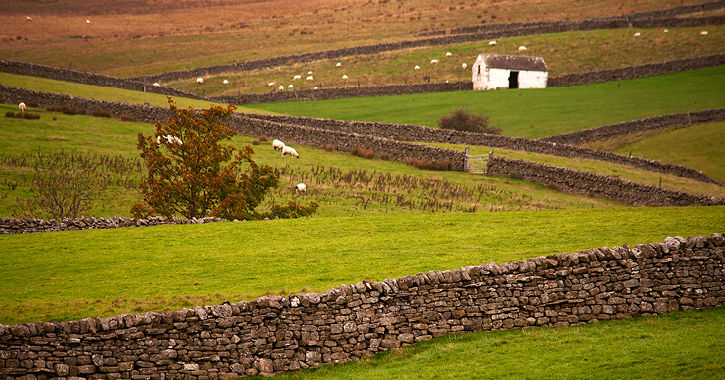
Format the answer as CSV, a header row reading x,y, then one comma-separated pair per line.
x,y
572,181
641,71
82,77
32,225
639,125
274,334
340,92
421,133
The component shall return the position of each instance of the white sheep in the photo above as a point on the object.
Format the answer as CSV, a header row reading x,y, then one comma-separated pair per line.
x,y
448,54
492,43
169,140
28,18
22,107
417,67
666,30
309,73
271,84
291,86
637,34
704,33
310,77
464,66
156,84
281,88
225,81
88,22
344,77
277,145
522,48
338,64
200,80
432,61
296,77
301,188
289,150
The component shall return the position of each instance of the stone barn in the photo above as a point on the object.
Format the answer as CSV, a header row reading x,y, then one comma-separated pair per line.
x,y
493,71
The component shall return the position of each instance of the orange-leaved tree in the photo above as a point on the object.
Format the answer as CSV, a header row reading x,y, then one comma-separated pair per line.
x,y
192,174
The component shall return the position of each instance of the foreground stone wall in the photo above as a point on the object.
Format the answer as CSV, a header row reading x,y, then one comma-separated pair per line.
x,y
574,181
639,125
274,334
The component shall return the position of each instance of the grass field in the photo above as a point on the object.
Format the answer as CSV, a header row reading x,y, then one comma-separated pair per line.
x,y
126,38
534,113
696,146
565,53
682,345
68,275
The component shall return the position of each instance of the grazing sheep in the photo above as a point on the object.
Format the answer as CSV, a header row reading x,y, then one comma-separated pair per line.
x,y
704,33
301,188
200,80
271,84
156,84
28,18
522,48
281,88
338,64
432,61
296,77
171,140
22,107
309,73
225,81
492,43
291,86
417,67
289,150
310,77
637,34
344,77
464,66
448,54
666,30
277,145
88,22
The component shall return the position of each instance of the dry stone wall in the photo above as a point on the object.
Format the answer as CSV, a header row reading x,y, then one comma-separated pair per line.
x,y
82,77
274,334
639,125
574,181
32,225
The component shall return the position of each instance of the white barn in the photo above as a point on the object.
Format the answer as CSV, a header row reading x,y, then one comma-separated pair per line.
x,y
493,71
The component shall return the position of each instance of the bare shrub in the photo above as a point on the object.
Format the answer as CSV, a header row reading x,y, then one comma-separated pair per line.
x,y
65,185
32,103
10,114
462,120
29,115
99,112
383,156
329,148
126,117
361,152
256,142
263,138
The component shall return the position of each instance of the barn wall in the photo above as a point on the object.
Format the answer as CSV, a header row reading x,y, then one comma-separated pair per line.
x,y
533,79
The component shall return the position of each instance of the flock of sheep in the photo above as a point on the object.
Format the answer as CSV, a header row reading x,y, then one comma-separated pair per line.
x,y
301,188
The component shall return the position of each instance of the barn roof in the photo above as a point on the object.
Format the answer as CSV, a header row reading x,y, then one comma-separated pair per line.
x,y
514,62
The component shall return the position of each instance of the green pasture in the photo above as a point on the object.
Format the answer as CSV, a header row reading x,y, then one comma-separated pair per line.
x,y
75,274
534,113
104,93
679,345
697,146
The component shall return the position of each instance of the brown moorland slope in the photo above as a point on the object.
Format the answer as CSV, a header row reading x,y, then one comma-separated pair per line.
x,y
128,38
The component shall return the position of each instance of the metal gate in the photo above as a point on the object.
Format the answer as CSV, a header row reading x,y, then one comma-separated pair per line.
x,y
476,163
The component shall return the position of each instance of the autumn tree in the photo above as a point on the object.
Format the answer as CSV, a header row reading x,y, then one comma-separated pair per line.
x,y
190,173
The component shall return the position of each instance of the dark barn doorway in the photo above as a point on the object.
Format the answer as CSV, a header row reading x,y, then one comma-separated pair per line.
x,y
514,79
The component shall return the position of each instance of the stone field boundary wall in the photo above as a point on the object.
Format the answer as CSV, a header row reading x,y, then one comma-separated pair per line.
x,y
274,334
572,181
639,125
423,134
344,135
32,225
82,77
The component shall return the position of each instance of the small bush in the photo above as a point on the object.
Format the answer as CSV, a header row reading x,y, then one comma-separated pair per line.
x,y
329,148
99,112
263,138
126,117
364,153
462,120
430,165
384,156
10,114
32,103
55,118
256,142
30,116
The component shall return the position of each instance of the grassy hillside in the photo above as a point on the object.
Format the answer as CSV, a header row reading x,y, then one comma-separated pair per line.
x,y
60,276
697,146
565,53
534,113
128,38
